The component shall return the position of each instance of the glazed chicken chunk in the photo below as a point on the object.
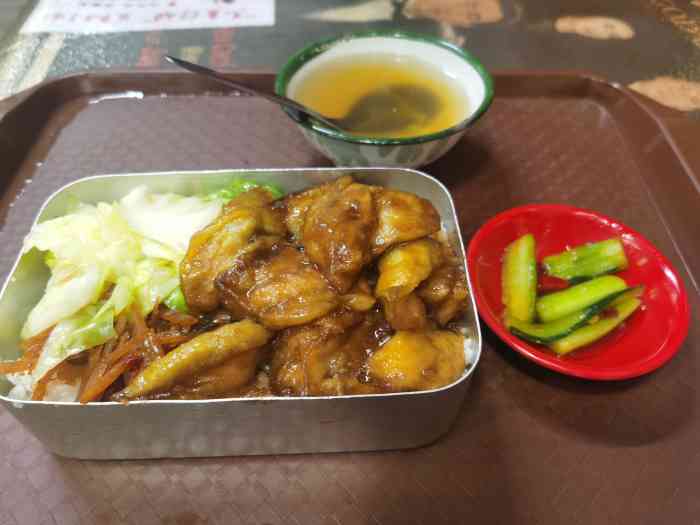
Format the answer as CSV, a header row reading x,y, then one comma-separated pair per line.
x,y
401,217
277,285
401,270
329,356
418,360
445,292
297,205
242,221
337,232
201,355
343,225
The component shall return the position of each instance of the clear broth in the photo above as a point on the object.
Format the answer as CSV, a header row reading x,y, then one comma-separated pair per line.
x,y
384,96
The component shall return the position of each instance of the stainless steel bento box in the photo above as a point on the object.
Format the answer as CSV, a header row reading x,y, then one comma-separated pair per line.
x,y
270,425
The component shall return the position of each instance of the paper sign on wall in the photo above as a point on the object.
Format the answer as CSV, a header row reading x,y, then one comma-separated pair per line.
x,y
113,16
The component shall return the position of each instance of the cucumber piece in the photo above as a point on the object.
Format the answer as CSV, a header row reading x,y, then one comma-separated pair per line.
x,y
587,260
519,278
635,292
560,304
546,333
592,332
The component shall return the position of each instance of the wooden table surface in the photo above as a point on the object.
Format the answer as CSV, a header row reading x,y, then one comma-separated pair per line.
x,y
653,45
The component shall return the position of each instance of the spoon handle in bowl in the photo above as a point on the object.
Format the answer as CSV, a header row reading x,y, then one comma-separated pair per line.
x,y
301,112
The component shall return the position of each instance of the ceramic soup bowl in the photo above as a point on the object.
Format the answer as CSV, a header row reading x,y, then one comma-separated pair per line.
x,y
352,150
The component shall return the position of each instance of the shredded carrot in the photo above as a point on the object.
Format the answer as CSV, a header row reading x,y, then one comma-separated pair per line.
x,y
125,347
178,318
98,387
98,370
36,341
23,364
32,350
132,348
138,325
121,323
149,352
94,358
154,351
139,332
40,388
172,339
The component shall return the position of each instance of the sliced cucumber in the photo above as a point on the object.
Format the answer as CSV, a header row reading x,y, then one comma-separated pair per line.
x,y
519,279
546,333
560,304
592,332
631,293
587,260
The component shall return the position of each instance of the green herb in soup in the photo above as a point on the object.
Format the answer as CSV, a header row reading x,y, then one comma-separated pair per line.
x,y
384,96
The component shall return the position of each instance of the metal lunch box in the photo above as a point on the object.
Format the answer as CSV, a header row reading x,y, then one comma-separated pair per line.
x,y
223,427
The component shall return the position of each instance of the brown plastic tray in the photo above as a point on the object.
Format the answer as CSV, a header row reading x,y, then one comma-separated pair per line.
x,y
530,446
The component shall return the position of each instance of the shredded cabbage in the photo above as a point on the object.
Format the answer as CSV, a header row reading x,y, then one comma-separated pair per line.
x,y
238,186
154,281
89,327
88,250
92,236
69,289
105,258
168,219
176,301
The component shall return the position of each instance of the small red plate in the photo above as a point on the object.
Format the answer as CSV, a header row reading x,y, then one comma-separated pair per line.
x,y
647,340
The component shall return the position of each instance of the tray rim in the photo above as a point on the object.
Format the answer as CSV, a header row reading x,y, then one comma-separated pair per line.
x,y
477,335
88,84
11,101
84,78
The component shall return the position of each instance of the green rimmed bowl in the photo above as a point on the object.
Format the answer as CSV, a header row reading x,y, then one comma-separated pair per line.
x,y
351,150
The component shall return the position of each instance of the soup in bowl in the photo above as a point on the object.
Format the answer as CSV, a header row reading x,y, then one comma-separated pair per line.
x,y
401,99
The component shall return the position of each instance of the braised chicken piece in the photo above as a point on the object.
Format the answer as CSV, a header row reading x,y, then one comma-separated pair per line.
x,y
212,249
401,271
438,286
340,215
229,379
259,387
404,267
359,298
297,205
418,360
401,217
201,355
277,285
244,220
407,313
300,354
337,233
445,293
335,224
329,356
